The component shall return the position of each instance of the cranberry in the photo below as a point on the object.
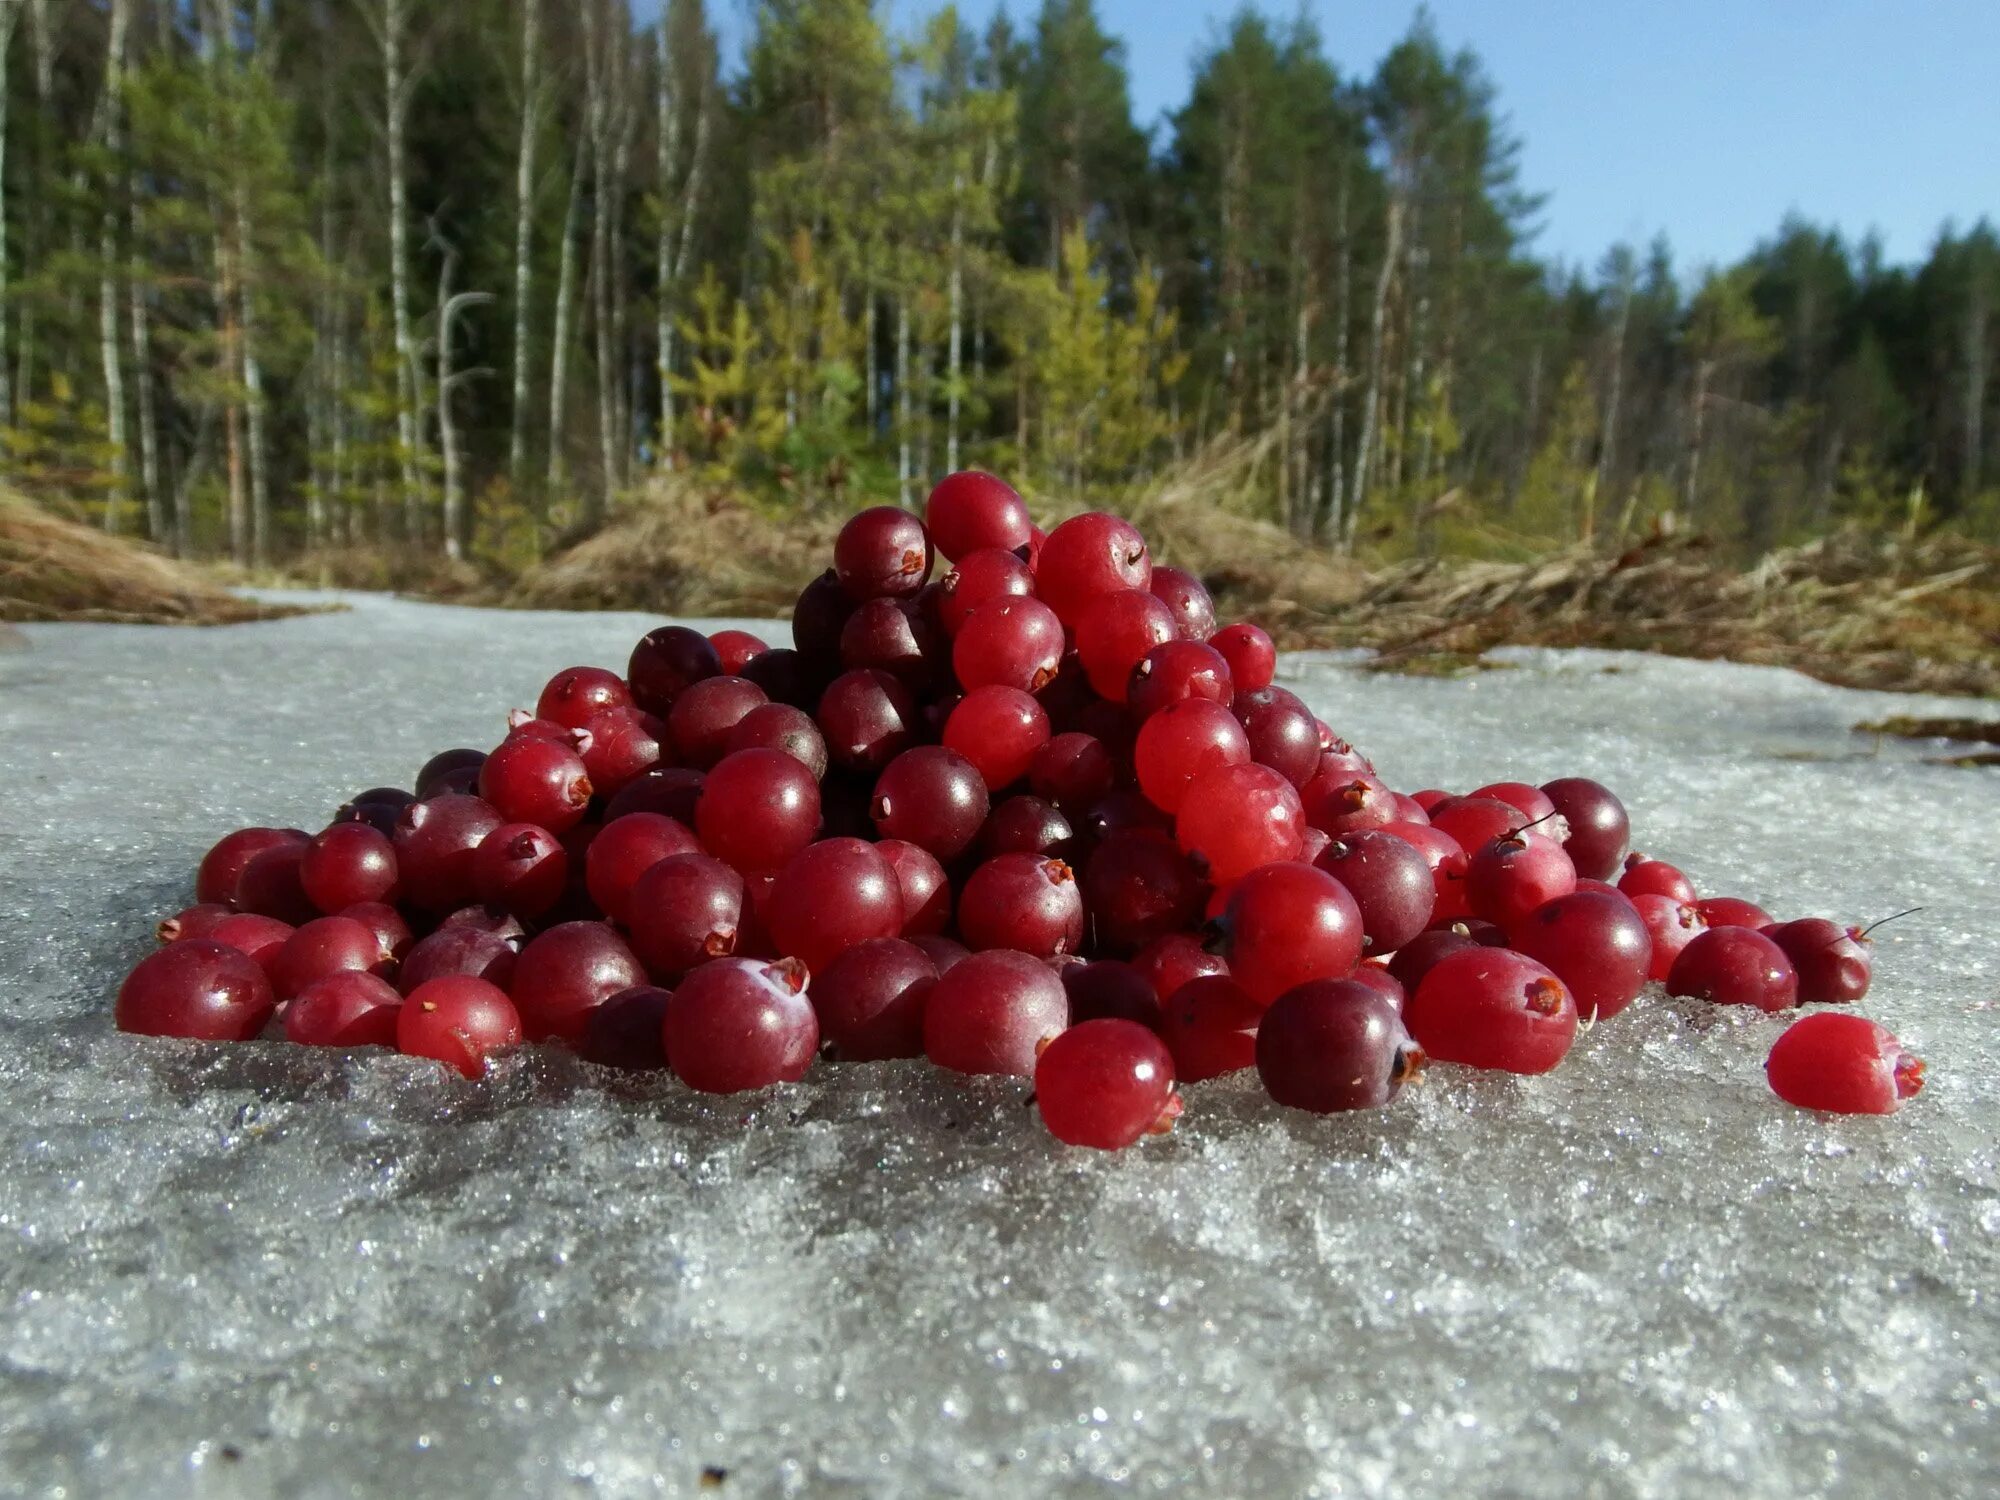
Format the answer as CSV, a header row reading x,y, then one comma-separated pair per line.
x,y
706,715
1373,975
1026,825
740,1024
870,1001
1476,821
970,511
785,675
1842,1063
1492,1008
271,885
1175,959
1653,877
1735,966
626,850
1210,1026
435,842
1447,864
1390,882
1189,600
536,781
1175,671
197,921
1235,818
326,946
1597,945
1731,911
1832,961
830,896
991,1011
932,797
980,578
1599,828
1286,924
664,663
1024,902
736,649
1342,801
1114,634
628,1031
521,868
684,911
199,989
450,771
1428,948
946,953
1072,770
1008,642
1672,925
921,883
868,719
1532,801
1181,742
566,973
758,809
460,950
222,867
1282,733
670,791
1513,876
458,1021
817,620
348,1009
779,726
346,865
1106,1084
882,553
1251,656
999,730
894,636
1087,556
576,695
1335,1044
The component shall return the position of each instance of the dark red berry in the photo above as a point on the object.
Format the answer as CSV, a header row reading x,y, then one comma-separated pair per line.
x,y
980,578
435,842
197,921
460,950
758,809
925,892
670,791
868,718
1106,1084
830,896
665,662
1391,884
1735,966
521,869
1008,642
1732,911
1000,730
576,695
450,771
779,726
684,911
1653,877
991,1012
1024,902
1110,988
536,781
1235,818
348,1009
741,1023
1210,1026
222,867
882,553
1072,770
870,1001
1513,876
272,885
626,850
326,946
1175,671
706,715
566,973
1333,1045
199,989
1833,962
1598,945
628,1031
346,865
1599,828
1189,600
736,649
932,797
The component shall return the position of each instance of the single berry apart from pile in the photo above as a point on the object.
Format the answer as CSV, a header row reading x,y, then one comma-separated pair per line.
x,y
1842,1063
1106,1084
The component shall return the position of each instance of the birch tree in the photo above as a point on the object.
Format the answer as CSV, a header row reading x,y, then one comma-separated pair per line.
x,y
524,231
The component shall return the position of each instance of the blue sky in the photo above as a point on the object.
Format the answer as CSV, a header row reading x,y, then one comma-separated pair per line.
x,y
1707,119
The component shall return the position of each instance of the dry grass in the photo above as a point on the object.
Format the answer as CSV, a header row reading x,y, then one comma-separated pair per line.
x,y
53,569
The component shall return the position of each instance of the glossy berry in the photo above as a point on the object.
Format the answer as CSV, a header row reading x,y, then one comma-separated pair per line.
x,y
1072,770
1597,945
1188,598
1210,1026
1026,825
1182,742
1008,642
870,1001
1671,924
740,1024
1235,818
1475,822
1654,877
684,911
521,869
626,850
348,1009
272,885
1140,886
326,946
222,867
1733,911
576,695
970,511
779,726
894,636
1599,828
1334,1045
198,989
1735,966
1287,924
378,807
868,718
1106,1084
536,781
260,939
991,1012
458,1021
1492,1008
785,675
567,972
1251,656
1089,556
999,730
197,921
1174,671
1433,945
758,809
1833,962
736,649
830,896
1513,876
665,662
932,797
980,578
346,865
1531,801
628,1031
449,771
924,889
670,791
706,714
1842,1063
1282,732
1377,978
460,950
1114,633
817,620
620,745
1391,884
882,553
1447,863
1024,902
435,841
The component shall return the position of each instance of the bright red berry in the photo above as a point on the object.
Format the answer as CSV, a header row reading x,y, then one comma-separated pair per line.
x,y
345,1010
1735,966
1492,1008
458,1021
1106,1084
1596,944
199,989
1287,924
1088,556
1235,818
1842,1063
970,511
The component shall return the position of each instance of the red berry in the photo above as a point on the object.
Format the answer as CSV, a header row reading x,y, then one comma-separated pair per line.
x,y
706,715
626,850
1513,876
1735,966
991,1012
460,950
1139,887
1251,656
684,911
1087,556
1008,642
736,649
576,695
1596,944
564,974
271,885
1282,732
258,938
199,989
1532,801
1106,1084
1338,801
1432,946
980,578
458,1021
670,791
1599,828
628,1030
932,797
1210,1026
435,842
1287,924
222,867
999,730
348,864
1174,671
1731,911
758,809
946,953
1447,863
1832,961
345,1010
1672,925
868,719
882,553
1390,881
740,1023
521,869
453,772
1235,818
536,781
1653,877
779,726
1843,1064
664,663
817,620
1072,770
921,882
895,636
1189,600
1114,634
1335,1044
1024,902
870,1001
326,946
970,511
1476,822
197,921
1180,743
1491,1008
1110,988
830,896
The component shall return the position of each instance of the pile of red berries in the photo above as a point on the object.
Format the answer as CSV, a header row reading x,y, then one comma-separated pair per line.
x,y
1038,817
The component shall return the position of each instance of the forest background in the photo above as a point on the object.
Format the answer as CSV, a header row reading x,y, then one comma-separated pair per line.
x,y
286,279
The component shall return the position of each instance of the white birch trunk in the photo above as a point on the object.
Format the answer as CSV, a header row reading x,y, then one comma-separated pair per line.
x,y
1372,400
903,401
524,221
110,354
957,338
10,19
149,419
565,316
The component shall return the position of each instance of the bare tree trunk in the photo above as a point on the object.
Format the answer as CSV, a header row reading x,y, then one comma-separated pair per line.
x,y
599,84
450,305
107,134
149,419
337,420
10,19
565,314
690,207
1607,441
1698,431
1329,528
1976,317
524,228
668,135
871,375
1372,398
957,294
41,37
391,27
903,400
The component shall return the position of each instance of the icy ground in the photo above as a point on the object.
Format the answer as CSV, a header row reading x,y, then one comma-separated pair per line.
x,y
264,1271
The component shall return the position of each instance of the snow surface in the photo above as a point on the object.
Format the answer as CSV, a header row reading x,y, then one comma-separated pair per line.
x,y
260,1270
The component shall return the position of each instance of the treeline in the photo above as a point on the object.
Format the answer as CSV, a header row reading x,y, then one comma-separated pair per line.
x,y
285,274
